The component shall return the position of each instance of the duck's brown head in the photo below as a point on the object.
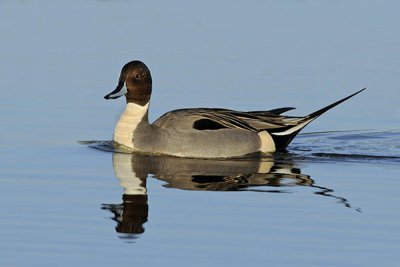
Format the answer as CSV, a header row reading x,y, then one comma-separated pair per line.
x,y
134,82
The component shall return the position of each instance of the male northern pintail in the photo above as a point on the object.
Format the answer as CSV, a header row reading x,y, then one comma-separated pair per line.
x,y
200,132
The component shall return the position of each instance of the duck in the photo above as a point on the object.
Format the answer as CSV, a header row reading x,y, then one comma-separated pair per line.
x,y
200,132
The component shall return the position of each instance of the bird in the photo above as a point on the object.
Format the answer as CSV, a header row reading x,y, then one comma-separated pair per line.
x,y
207,133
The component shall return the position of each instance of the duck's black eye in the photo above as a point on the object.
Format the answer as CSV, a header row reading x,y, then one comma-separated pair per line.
x,y
137,76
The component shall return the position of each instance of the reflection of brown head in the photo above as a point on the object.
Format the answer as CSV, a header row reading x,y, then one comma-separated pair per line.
x,y
131,214
134,214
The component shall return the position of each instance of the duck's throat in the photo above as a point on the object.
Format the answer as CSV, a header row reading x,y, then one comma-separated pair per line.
x,y
133,117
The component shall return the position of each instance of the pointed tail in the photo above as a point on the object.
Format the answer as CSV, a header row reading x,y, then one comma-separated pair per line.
x,y
282,139
317,113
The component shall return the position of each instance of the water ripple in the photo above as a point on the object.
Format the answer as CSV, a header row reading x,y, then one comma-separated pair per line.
x,y
355,146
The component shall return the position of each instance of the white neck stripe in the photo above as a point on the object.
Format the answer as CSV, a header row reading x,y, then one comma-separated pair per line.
x,y
128,122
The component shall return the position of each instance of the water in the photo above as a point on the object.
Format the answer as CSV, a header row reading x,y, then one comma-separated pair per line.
x,y
332,200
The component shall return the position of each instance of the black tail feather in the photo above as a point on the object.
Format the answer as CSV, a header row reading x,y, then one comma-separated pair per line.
x,y
278,111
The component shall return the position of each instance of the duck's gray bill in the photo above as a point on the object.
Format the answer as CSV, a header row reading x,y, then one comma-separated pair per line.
x,y
119,91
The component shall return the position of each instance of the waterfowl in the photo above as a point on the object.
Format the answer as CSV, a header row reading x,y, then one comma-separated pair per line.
x,y
200,132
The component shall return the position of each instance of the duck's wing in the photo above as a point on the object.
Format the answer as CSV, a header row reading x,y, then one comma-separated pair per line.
x,y
202,119
214,119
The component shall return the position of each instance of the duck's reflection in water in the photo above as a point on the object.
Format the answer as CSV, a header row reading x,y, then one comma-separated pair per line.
x,y
259,175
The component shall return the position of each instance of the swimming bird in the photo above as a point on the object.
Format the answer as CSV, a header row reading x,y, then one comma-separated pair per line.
x,y
200,132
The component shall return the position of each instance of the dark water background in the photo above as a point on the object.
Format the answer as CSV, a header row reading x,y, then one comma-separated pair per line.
x,y
332,200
